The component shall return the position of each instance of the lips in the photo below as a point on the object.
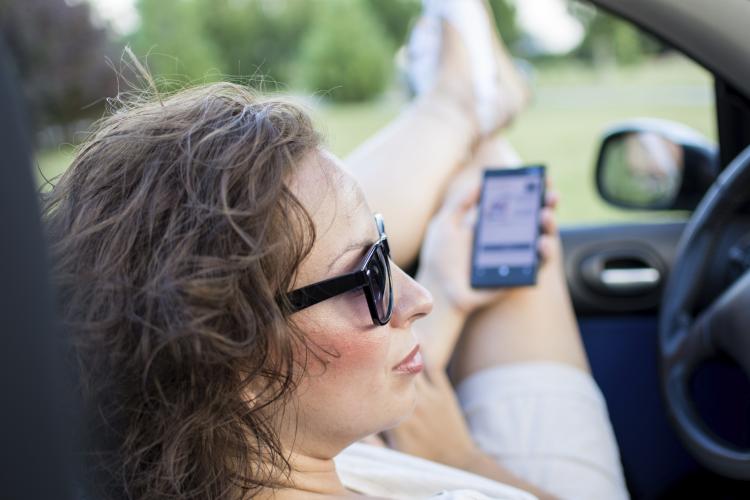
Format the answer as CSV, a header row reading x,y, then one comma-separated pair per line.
x,y
412,363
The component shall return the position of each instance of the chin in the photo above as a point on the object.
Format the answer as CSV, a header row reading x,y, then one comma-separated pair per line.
x,y
408,405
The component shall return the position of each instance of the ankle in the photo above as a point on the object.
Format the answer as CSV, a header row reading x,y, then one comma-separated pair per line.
x,y
454,109
497,150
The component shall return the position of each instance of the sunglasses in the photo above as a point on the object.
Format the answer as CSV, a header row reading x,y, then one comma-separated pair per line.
x,y
373,276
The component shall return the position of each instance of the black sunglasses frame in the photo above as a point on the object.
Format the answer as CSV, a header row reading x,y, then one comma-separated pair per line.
x,y
315,293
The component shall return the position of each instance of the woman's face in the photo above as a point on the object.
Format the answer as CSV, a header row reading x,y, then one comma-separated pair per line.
x,y
358,388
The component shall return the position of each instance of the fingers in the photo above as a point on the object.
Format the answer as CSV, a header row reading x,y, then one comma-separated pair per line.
x,y
548,221
470,217
465,199
471,198
461,206
551,198
546,243
546,247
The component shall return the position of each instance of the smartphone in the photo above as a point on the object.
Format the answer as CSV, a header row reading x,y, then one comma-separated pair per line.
x,y
505,240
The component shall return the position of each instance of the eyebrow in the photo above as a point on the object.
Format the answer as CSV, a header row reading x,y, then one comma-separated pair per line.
x,y
349,248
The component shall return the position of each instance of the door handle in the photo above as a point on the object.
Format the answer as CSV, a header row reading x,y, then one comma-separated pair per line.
x,y
621,273
630,279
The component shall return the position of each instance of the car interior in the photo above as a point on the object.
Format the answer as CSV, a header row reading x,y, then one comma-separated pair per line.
x,y
681,416
663,307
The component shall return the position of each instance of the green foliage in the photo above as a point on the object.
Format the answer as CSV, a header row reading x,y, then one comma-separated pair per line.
x,y
173,37
610,40
344,48
346,53
256,37
61,59
504,12
396,16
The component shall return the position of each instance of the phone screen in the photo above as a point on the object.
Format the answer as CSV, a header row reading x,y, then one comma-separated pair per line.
x,y
505,240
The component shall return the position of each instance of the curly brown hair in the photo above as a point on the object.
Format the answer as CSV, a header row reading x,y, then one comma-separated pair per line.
x,y
174,238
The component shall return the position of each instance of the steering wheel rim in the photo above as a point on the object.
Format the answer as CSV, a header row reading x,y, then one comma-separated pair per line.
x,y
685,342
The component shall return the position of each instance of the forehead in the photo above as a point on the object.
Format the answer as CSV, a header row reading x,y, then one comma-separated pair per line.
x,y
325,188
338,208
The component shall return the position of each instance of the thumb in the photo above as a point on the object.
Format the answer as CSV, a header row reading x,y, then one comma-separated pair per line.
x,y
468,199
463,193
461,204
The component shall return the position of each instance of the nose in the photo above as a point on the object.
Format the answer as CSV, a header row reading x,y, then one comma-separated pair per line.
x,y
411,300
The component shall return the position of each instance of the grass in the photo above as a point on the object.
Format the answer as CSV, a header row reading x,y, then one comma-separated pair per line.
x,y
52,162
562,128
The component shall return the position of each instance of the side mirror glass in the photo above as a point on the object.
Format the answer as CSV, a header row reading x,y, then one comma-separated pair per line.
x,y
656,165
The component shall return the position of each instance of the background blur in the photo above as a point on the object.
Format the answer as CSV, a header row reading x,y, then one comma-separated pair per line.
x,y
587,70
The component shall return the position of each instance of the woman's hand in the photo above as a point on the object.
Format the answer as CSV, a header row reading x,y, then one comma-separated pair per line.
x,y
437,429
445,261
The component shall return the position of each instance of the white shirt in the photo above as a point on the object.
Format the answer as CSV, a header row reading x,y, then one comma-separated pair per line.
x,y
383,472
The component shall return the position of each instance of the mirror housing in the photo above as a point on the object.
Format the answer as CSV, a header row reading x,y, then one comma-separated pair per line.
x,y
651,164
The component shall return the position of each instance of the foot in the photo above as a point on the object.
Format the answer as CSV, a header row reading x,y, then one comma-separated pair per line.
x,y
457,38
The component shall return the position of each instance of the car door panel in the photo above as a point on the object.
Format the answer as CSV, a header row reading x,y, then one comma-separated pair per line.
x,y
623,358
619,328
618,269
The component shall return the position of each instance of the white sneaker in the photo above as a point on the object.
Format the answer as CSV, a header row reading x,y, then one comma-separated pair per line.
x,y
499,91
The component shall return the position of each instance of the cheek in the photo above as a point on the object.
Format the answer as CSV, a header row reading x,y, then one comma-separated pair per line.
x,y
358,351
345,329
354,392
355,368
347,339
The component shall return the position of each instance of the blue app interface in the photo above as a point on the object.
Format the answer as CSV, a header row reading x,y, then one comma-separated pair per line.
x,y
506,238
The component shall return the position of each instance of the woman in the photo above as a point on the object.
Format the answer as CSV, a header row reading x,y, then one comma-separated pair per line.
x,y
179,232
186,235
238,321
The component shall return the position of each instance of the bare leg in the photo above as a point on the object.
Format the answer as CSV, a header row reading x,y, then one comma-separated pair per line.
x,y
545,423
405,167
528,324
526,388
525,324
495,152
439,331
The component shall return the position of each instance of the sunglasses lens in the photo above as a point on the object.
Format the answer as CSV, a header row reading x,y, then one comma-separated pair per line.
x,y
380,282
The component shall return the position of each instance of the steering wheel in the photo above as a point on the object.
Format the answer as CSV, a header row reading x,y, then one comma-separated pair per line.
x,y
721,328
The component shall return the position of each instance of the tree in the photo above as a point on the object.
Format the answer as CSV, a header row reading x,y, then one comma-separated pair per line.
x,y
256,37
346,53
172,40
504,13
611,40
61,58
396,17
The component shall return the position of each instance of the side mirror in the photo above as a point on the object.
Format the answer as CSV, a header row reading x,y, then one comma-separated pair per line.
x,y
655,165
